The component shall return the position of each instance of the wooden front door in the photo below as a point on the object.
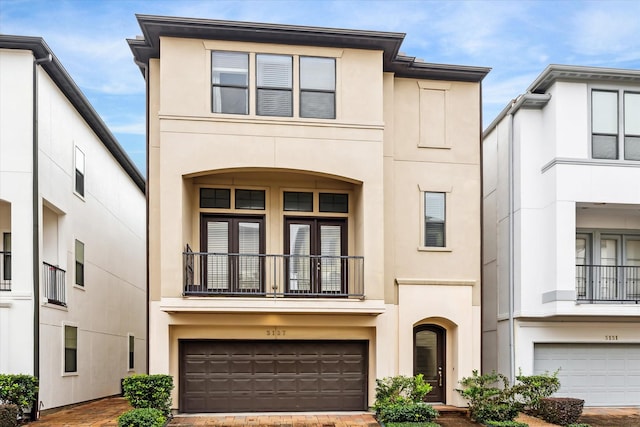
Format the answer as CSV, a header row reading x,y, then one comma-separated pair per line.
x,y
429,359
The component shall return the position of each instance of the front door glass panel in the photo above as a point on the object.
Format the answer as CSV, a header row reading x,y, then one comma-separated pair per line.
x,y
429,359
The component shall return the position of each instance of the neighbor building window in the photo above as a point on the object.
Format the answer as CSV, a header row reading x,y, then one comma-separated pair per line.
x,y
230,81
6,256
79,178
79,263
132,341
70,348
611,112
317,87
434,219
274,85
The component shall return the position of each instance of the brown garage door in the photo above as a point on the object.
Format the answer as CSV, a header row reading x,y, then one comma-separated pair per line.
x,y
278,375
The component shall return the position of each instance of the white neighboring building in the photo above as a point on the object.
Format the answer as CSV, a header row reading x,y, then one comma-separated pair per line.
x,y
561,267
73,275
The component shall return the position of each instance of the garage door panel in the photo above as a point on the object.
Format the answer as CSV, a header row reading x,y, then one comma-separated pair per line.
x,y
246,376
601,374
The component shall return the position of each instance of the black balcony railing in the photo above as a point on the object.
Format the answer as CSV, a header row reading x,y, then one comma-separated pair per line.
x,y
53,284
608,283
212,274
5,270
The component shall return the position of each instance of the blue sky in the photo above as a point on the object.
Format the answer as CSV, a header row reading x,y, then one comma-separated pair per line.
x,y
517,39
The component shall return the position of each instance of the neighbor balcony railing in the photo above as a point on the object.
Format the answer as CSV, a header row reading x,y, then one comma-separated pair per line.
x,y
213,274
608,283
53,284
5,270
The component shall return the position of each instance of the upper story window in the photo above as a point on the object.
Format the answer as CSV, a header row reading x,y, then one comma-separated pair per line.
x,y
277,78
434,220
79,177
317,87
615,125
70,348
274,85
79,263
230,80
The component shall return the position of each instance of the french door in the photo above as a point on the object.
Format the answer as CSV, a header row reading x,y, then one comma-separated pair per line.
x,y
233,245
429,359
314,250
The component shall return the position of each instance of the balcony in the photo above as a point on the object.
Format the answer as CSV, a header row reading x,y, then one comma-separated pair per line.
x,y
608,284
5,270
290,276
53,284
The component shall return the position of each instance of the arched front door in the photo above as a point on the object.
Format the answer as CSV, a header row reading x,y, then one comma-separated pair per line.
x,y
429,359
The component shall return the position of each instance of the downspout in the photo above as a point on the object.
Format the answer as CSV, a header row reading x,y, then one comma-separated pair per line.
x,y
512,354
36,235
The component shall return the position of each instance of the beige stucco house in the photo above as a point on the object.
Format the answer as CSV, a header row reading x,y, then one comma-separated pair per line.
x,y
314,214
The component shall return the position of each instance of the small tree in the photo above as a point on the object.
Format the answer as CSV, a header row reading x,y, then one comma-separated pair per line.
x,y
489,397
149,391
401,399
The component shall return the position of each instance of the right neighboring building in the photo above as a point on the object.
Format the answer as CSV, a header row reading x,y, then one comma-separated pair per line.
x,y
561,226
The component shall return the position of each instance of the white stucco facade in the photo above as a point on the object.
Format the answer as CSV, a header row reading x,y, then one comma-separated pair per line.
x,y
551,206
106,303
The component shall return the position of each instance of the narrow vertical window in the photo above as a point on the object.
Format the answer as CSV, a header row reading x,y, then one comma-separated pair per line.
x,y
70,348
79,263
274,85
230,82
132,341
79,178
6,256
318,87
604,124
434,220
631,126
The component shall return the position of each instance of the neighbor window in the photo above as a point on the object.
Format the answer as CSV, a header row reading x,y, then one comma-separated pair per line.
x,y
79,179
70,348
611,112
79,263
434,219
317,87
274,85
132,341
230,80
6,256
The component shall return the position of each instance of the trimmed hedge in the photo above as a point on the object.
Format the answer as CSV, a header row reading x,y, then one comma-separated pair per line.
x,y
149,391
142,417
407,412
408,424
8,415
561,410
578,425
19,390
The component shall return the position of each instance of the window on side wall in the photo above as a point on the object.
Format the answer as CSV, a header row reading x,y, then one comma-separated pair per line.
x,y
79,176
70,349
6,256
274,85
230,82
434,219
317,87
615,125
79,263
132,341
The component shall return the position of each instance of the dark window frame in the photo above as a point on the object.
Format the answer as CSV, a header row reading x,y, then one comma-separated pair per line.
x,y
310,90
332,206
6,256
79,182
131,352
298,196
70,353
254,202
79,270
230,86
216,198
260,88
431,221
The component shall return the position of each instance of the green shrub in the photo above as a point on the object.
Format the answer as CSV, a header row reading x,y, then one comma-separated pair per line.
x,y
400,389
489,397
18,389
425,424
561,410
530,389
149,391
407,411
142,417
506,424
8,415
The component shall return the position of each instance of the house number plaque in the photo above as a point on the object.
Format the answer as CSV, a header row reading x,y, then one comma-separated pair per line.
x,y
611,337
275,332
